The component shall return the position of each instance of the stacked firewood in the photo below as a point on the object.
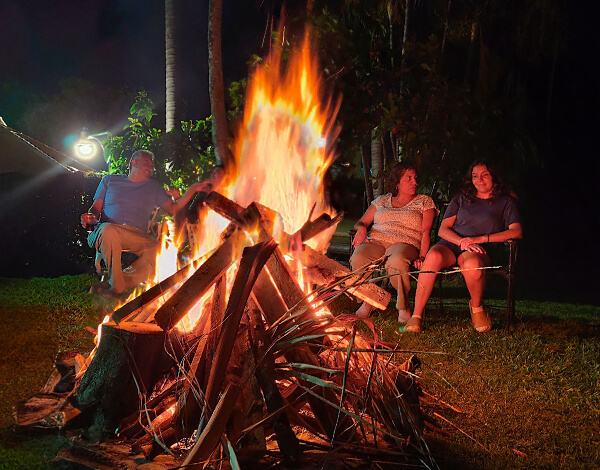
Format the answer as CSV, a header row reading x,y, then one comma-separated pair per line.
x,y
259,371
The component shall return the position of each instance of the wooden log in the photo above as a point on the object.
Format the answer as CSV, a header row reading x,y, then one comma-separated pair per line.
x,y
249,445
151,294
177,306
199,371
253,260
45,411
286,439
312,228
227,208
135,423
129,360
211,434
267,296
331,270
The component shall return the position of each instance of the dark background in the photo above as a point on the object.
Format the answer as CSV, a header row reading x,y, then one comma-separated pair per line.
x,y
118,43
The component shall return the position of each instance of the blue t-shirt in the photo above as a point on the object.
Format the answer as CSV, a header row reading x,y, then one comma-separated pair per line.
x,y
126,202
482,216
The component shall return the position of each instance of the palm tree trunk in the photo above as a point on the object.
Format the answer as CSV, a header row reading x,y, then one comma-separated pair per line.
x,y
377,164
445,37
474,28
220,130
170,61
367,173
405,34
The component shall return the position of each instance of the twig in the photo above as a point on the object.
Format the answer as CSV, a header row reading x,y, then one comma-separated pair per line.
x,y
463,432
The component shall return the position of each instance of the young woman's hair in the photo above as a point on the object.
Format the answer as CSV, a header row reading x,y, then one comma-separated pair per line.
x,y
499,187
398,172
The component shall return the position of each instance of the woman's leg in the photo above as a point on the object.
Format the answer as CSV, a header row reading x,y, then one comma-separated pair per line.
x,y
363,255
438,257
397,266
474,277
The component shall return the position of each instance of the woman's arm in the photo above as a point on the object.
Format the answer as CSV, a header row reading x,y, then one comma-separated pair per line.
x,y
426,225
446,231
362,225
514,231
473,243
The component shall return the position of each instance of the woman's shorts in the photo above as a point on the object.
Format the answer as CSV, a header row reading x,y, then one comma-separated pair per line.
x,y
495,251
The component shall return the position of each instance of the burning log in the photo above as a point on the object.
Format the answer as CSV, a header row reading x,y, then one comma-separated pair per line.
x,y
320,224
265,375
177,306
129,360
251,264
330,271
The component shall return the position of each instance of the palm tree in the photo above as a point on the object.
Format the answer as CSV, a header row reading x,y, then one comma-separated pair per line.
x,y
170,59
220,129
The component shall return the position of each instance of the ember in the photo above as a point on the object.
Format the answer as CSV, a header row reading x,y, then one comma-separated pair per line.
x,y
220,355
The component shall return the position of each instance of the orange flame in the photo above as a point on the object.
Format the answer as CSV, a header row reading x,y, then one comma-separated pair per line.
x,y
282,153
285,145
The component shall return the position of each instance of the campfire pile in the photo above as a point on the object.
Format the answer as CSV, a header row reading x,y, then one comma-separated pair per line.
x,y
267,373
237,361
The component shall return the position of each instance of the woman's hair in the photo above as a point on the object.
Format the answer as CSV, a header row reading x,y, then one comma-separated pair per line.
x,y
499,186
398,172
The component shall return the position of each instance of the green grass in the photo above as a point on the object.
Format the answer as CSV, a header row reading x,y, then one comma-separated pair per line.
x,y
39,318
531,398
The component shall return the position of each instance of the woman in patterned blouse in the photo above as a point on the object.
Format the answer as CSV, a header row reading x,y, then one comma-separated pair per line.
x,y
401,226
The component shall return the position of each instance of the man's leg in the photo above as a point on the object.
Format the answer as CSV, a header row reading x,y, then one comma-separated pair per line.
x,y
397,266
145,247
143,268
108,244
112,240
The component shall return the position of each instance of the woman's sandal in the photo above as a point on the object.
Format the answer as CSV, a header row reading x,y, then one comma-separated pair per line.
x,y
481,319
414,325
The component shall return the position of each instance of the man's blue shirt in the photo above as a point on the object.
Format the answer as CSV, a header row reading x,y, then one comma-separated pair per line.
x,y
126,202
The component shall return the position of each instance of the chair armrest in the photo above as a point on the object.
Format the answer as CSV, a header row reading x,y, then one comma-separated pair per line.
x,y
513,248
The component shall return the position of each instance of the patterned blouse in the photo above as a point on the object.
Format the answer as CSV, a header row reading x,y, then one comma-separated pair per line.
x,y
393,225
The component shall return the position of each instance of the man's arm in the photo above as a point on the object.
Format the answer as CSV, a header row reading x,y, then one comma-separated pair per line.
x,y
172,207
92,216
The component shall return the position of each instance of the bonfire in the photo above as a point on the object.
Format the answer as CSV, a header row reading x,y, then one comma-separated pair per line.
x,y
236,358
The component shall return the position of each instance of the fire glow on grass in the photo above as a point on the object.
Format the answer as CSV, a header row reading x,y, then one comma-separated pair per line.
x,y
282,153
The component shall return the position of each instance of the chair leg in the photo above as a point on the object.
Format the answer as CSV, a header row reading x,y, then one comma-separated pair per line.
x,y
510,298
440,294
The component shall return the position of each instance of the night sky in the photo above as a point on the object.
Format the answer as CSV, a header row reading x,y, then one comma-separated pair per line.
x,y
117,43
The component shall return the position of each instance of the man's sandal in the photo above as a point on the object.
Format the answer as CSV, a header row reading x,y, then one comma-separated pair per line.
x,y
414,325
480,318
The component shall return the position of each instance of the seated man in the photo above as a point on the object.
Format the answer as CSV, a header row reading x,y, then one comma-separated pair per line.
x,y
120,215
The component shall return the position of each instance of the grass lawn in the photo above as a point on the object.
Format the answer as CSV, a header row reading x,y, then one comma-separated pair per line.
x,y
528,399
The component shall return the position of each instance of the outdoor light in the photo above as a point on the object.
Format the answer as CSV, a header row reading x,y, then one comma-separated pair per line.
x,y
87,147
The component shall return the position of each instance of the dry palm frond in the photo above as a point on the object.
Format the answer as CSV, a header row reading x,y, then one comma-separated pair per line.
x,y
372,391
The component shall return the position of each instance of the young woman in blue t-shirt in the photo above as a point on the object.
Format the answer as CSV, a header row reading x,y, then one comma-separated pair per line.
x,y
484,214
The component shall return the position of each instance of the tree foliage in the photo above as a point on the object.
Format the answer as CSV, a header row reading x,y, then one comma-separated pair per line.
x,y
182,156
458,88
